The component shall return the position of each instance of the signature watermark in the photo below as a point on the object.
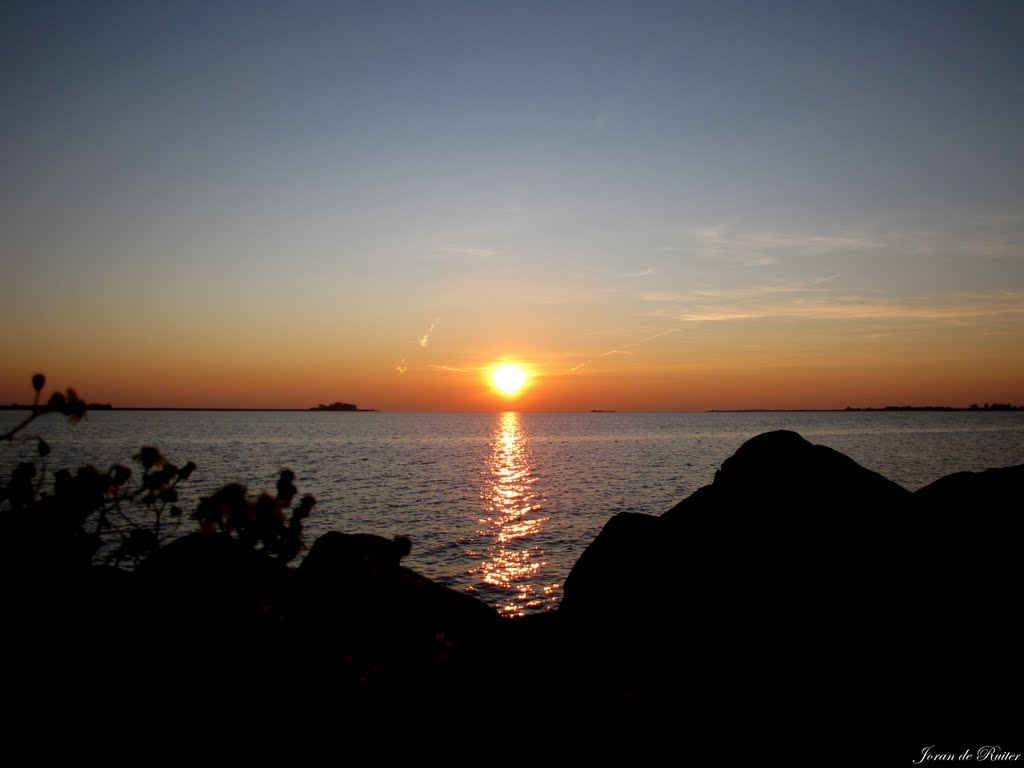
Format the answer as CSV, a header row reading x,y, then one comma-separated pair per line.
x,y
979,755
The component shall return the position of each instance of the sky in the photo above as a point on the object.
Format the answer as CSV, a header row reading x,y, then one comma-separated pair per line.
x,y
647,205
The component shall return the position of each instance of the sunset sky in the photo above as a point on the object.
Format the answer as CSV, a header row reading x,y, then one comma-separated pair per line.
x,y
649,206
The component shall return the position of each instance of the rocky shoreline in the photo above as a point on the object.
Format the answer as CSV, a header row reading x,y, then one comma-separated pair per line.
x,y
798,594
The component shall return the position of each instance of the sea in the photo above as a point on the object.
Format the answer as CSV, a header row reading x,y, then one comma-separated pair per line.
x,y
498,505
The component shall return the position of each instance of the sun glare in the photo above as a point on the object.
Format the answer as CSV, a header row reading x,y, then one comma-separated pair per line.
x,y
509,378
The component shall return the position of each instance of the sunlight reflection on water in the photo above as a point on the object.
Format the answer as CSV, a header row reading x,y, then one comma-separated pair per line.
x,y
513,516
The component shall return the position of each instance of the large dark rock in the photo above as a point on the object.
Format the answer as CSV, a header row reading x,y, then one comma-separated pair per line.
x,y
211,576
800,589
779,532
994,491
361,573
748,591
778,474
959,583
618,579
389,643
627,654
213,626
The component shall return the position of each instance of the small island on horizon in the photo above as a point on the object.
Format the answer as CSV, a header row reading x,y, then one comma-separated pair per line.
x,y
339,406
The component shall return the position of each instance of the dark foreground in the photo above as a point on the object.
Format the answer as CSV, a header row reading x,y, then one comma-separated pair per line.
x,y
800,603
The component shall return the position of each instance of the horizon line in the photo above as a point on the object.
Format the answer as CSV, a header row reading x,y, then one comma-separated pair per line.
x,y
99,407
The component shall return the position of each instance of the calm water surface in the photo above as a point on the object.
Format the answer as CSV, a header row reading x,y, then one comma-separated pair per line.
x,y
502,505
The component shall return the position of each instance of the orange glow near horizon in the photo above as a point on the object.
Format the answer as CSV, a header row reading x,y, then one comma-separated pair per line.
x,y
670,373
666,387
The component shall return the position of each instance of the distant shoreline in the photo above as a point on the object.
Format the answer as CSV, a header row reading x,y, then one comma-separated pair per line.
x,y
17,407
998,408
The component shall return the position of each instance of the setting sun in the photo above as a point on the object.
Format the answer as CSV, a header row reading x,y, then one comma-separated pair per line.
x,y
509,379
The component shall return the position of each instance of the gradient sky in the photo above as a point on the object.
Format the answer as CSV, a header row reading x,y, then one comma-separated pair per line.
x,y
654,206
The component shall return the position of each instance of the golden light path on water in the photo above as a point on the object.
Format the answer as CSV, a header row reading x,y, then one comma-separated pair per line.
x,y
511,522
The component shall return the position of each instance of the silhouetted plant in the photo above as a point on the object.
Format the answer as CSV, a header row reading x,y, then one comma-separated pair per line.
x,y
123,516
67,403
261,523
156,493
90,513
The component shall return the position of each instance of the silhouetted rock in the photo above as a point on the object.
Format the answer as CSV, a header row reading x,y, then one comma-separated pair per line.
x,y
994,490
383,634
211,576
958,569
781,473
772,533
619,580
743,590
337,556
628,655
800,576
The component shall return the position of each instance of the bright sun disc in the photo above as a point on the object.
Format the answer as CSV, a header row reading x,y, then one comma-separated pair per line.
x,y
509,378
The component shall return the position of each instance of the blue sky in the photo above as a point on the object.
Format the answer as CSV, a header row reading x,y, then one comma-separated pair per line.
x,y
622,191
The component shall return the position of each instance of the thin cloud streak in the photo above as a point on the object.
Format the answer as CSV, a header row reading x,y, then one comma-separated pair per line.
x,y
766,249
657,336
611,352
642,273
455,253
1009,305
451,369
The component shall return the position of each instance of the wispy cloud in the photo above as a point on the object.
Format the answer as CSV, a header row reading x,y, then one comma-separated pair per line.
x,y
767,248
424,340
626,351
767,302
821,280
724,294
463,254
995,248
452,369
657,336
641,273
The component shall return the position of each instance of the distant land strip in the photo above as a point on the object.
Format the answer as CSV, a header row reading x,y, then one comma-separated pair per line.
x,y
108,407
986,407
327,409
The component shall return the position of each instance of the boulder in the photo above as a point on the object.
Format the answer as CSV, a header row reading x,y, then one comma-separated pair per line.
x,y
618,582
389,642
957,568
780,473
361,575
211,577
783,526
751,589
800,587
993,491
